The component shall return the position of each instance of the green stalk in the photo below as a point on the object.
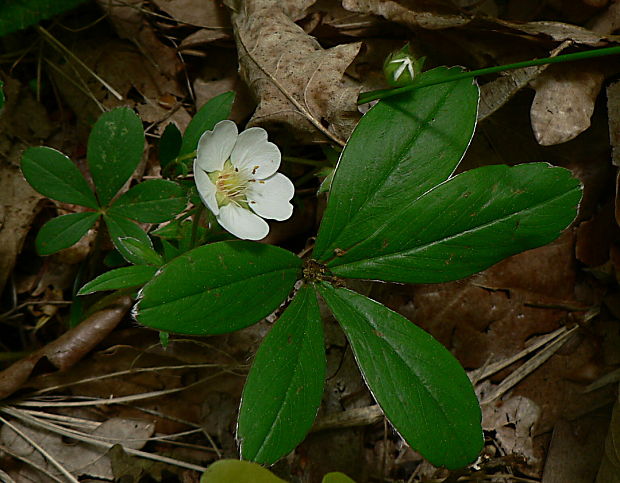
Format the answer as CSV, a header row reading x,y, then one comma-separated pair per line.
x,y
384,93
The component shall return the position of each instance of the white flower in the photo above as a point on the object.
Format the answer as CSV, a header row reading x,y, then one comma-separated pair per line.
x,y
236,178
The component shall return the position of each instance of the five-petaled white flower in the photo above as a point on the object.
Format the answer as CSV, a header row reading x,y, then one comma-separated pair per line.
x,y
236,178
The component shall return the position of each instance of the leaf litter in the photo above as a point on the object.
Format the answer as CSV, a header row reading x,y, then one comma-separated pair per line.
x,y
536,332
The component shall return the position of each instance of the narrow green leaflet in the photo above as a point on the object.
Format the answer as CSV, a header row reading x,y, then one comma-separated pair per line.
x,y
152,201
466,224
284,388
401,148
420,386
214,111
123,277
115,147
54,175
218,288
62,232
139,252
169,144
120,227
18,14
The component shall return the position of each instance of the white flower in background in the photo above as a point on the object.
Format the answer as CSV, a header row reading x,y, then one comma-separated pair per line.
x,y
236,178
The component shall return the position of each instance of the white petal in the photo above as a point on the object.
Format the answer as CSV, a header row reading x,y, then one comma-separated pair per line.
x,y
242,223
252,151
269,198
206,189
214,147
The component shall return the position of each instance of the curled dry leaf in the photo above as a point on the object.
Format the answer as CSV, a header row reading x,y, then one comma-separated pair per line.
x,y
555,121
564,102
280,62
68,349
427,15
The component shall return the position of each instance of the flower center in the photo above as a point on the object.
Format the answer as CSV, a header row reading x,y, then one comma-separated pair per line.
x,y
231,185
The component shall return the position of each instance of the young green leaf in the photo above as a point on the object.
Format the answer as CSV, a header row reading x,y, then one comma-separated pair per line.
x,y
123,277
214,111
119,228
62,232
152,201
115,147
54,175
420,386
169,144
235,471
139,252
18,14
336,477
465,225
400,149
284,388
218,288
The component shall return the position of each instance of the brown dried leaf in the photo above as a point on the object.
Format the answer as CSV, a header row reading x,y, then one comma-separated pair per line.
x,y
576,448
513,422
427,15
564,101
209,14
609,471
279,49
23,121
68,349
79,459
613,114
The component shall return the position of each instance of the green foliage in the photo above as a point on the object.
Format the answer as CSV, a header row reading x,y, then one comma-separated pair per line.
x,y
420,386
152,201
284,388
399,150
235,471
121,230
18,14
115,147
205,119
124,277
169,145
54,175
64,231
486,215
218,288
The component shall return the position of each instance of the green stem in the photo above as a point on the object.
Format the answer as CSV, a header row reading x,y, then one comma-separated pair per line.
x,y
195,225
384,93
177,162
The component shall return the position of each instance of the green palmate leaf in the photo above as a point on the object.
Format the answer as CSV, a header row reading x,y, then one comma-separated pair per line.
x,y
420,386
400,149
218,288
115,148
284,388
123,277
64,231
54,175
214,111
120,228
235,471
18,14
465,225
152,201
169,144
